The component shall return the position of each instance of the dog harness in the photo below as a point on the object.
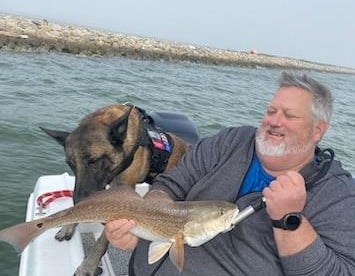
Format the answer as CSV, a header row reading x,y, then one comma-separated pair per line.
x,y
159,142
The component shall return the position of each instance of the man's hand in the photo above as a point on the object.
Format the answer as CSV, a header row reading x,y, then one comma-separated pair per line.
x,y
117,233
286,194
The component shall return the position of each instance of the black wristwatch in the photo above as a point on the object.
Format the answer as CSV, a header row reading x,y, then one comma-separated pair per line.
x,y
290,221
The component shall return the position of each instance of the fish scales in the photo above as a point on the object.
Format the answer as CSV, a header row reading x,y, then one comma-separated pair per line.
x,y
161,218
167,223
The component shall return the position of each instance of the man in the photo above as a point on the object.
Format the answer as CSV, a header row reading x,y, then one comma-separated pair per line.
x,y
307,228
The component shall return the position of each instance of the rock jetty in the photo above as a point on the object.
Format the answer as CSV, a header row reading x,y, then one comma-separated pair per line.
x,y
27,34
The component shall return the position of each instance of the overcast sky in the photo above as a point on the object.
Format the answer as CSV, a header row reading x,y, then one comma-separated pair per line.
x,y
315,30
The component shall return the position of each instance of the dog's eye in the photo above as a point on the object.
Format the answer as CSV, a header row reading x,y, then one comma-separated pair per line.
x,y
93,161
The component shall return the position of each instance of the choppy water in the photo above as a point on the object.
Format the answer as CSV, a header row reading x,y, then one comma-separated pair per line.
x,y
56,91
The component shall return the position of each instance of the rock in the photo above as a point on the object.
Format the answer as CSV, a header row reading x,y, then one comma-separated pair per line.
x,y
25,34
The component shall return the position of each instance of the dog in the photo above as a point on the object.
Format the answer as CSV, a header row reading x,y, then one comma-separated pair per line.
x,y
117,144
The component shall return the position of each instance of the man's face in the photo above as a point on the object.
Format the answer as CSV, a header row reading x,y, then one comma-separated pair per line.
x,y
288,127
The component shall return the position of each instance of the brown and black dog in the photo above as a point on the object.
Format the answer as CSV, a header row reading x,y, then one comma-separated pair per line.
x,y
113,145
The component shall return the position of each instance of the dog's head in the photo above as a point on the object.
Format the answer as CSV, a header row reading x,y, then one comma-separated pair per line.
x,y
101,147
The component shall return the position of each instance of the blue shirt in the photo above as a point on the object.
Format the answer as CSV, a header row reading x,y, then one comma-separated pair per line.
x,y
256,178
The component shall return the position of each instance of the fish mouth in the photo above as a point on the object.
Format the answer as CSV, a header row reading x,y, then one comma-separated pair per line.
x,y
235,214
231,222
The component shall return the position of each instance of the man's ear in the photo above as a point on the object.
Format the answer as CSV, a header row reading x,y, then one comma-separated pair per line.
x,y
319,130
59,136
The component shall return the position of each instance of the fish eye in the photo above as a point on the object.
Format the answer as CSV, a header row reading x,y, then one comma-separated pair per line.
x,y
221,212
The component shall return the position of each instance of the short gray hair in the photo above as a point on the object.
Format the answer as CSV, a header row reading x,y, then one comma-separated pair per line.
x,y
322,106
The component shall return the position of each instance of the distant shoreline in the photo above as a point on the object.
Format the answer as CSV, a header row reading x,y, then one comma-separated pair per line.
x,y
27,34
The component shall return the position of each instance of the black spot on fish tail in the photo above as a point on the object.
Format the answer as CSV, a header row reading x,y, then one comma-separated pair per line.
x,y
39,225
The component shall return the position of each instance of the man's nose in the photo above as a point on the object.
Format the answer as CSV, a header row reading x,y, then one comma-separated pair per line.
x,y
276,119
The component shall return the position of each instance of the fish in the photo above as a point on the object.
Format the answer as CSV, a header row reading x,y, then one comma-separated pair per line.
x,y
168,224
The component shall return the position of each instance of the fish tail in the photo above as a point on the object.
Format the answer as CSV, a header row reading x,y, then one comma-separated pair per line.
x,y
20,235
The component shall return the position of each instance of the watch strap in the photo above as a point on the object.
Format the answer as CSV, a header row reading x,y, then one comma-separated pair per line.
x,y
278,223
290,221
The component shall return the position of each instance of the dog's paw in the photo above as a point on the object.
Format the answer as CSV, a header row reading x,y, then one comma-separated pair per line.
x,y
83,270
65,233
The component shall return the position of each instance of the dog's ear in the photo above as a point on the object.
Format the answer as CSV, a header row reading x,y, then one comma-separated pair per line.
x,y
58,135
118,129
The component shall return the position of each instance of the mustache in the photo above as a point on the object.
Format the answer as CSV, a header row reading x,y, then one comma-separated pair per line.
x,y
286,147
272,129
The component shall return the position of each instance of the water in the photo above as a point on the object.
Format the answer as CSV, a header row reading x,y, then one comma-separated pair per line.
x,y
56,91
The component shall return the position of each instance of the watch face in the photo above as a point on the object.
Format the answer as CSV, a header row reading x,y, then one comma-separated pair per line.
x,y
293,221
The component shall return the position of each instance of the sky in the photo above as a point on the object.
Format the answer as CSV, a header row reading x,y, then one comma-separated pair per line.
x,y
315,30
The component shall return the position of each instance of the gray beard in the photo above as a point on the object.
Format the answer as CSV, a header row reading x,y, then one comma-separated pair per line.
x,y
265,148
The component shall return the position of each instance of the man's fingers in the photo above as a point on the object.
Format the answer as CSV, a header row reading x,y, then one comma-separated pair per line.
x,y
284,180
273,186
117,232
296,178
118,228
125,242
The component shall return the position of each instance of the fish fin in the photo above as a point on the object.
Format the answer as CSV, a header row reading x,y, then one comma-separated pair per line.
x,y
125,190
20,235
177,252
157,195
157,250
114,193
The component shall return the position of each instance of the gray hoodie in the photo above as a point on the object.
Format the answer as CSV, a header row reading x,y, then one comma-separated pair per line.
x,y
215,169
